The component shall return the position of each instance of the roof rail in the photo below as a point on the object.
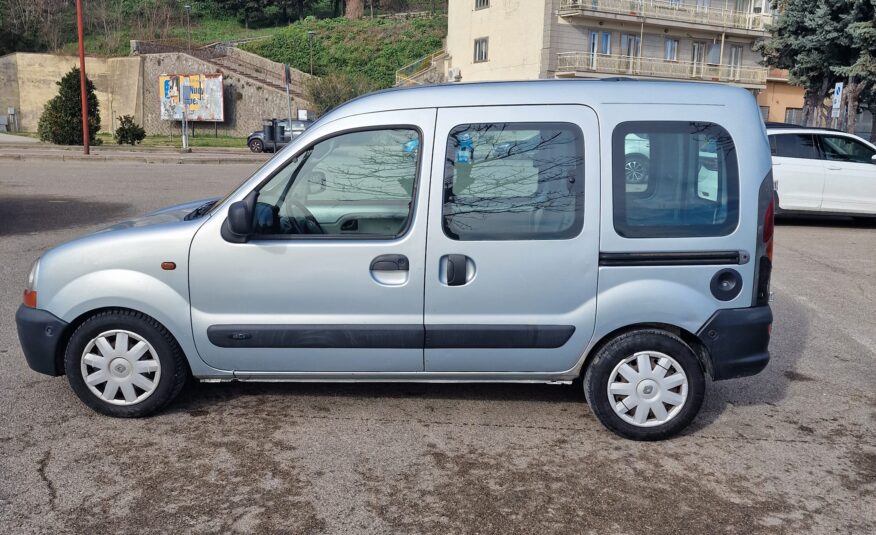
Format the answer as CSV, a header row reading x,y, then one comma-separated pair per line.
x,y
779,126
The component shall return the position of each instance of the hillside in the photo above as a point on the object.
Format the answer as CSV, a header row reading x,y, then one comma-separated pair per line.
x,y
375,48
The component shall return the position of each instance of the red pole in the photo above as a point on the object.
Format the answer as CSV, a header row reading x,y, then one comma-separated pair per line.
x,y
83,93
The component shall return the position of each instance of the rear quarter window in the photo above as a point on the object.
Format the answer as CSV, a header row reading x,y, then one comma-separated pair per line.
x,y
674,179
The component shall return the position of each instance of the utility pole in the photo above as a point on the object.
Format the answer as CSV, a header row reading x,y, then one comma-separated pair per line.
x,y
310,36
188,9
82,85
287,76
184,87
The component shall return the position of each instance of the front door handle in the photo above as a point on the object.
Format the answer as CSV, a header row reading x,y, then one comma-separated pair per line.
x,y
456,270
390,262
835,168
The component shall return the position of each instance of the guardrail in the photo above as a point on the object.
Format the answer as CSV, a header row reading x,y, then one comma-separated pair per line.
x,y
414,72
574,62
669,10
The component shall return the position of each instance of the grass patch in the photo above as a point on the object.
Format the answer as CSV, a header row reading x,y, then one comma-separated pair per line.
x,y
375,48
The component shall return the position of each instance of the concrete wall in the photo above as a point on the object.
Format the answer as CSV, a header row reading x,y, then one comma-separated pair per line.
x,y
246,102
129,86
779,96
299,78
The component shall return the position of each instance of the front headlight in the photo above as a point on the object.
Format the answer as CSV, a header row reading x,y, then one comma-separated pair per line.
x,y
32,276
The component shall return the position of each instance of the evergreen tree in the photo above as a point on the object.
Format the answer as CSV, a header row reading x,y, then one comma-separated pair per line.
x,y
61,121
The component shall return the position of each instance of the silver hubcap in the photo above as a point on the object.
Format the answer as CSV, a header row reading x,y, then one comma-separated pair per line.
x,y
120,367
635,172
647,389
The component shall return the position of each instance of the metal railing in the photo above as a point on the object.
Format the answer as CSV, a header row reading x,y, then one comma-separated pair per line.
x,y
418,72
575,62
669,10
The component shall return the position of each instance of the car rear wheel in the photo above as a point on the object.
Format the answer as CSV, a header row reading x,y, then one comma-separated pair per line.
x,y
256,145
125,364
645,385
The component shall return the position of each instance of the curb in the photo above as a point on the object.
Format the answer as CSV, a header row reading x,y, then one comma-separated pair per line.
x,y
147,159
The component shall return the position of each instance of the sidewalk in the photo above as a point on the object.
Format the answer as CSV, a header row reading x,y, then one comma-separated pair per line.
x,y
29,151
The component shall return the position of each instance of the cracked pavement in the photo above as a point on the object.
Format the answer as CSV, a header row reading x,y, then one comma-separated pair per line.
x,y
790,450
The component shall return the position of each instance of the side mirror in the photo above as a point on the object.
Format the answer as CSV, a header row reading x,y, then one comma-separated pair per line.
x,y
239,224
873,158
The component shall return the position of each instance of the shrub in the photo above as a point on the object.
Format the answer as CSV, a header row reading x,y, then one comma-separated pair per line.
x,y
61,121
334,89
129,131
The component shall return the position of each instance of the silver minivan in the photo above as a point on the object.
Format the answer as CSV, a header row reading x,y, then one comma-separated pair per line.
x,y
473,232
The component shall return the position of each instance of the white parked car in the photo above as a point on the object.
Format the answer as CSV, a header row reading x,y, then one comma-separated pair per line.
x,y
822,171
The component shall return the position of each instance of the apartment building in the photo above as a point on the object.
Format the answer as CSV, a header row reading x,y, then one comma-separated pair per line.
x,y
693,40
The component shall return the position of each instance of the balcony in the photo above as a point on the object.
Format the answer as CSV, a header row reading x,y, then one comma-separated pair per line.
x,y
571,64
673,10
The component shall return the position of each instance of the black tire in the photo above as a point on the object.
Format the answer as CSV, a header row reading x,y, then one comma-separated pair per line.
x,y
256,145
174,368
597,376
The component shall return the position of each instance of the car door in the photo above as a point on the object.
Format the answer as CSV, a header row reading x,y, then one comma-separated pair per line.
x,y
798,171
332,278
512,249
850,180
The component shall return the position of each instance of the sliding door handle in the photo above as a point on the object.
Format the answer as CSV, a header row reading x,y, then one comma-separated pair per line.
x,y
456,270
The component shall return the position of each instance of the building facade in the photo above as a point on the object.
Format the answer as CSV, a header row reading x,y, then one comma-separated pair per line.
x,y
691,40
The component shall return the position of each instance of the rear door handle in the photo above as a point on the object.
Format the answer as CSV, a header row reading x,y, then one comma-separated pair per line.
x,y
835,168
390,262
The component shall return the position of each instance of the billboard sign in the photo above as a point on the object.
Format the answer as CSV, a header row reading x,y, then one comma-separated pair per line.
x,y
198,95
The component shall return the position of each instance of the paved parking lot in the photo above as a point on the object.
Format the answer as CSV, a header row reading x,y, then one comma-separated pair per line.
x,y
791,450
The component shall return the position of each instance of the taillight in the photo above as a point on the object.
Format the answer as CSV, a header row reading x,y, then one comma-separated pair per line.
x,y
769,226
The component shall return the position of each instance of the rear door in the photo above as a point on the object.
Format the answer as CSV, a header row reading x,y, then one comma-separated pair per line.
x,y
850,180
512,247
798,171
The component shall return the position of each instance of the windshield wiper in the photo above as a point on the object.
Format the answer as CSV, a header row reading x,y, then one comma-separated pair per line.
x,y
200,211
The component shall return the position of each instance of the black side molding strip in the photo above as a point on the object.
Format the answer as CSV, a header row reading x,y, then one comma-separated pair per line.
x,y
391,336
317,336
696,258
497,336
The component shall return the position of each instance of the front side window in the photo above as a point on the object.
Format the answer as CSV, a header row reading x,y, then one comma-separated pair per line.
x,y
358,184
846,149
480,50
794,146
674,179
514,181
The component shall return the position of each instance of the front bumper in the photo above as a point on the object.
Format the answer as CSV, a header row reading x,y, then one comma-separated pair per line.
x,y
737,341
41,334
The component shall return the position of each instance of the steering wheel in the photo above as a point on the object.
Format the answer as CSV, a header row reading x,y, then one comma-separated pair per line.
x,y
311,225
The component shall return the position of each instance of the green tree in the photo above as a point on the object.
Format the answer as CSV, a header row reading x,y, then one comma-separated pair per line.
x,y
129,131
61,121
860,71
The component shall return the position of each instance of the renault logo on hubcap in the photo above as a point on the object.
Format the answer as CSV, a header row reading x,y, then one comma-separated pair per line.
x,y
647,390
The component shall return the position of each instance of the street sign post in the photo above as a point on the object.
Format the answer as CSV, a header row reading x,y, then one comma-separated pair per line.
x,y
837,100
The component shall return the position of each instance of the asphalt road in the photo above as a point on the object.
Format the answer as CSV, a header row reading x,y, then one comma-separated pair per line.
x,y
791,450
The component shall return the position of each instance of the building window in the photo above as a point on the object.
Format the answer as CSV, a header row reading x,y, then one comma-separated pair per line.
x,y
480,50
670,49
714,56
482,4
764,113
794,115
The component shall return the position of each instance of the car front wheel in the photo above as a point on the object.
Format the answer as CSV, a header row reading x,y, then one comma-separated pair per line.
x,y
256,145
125,364
645,385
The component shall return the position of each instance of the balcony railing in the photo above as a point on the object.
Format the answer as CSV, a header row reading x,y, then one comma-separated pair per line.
x,y
569,63
669,10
